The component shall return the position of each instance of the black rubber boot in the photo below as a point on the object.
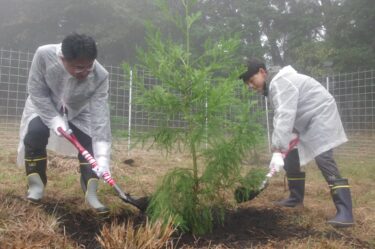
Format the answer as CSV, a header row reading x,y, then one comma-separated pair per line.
x,y
340,192
89,184
36,178
296,185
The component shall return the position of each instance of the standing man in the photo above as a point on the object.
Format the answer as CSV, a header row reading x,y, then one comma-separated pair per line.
x,y
67,88
303,107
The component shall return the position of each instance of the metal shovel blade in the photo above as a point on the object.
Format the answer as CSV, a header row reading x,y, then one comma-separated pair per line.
x,y
141,203
242,194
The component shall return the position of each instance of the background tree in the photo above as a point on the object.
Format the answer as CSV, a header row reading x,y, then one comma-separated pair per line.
x,y
204,91
233,17
118,26
309,34
348,32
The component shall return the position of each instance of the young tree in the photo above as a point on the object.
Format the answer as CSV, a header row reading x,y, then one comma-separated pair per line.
x,y
215,109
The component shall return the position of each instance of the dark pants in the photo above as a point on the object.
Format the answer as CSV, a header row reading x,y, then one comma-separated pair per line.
x,y
325,162
37,135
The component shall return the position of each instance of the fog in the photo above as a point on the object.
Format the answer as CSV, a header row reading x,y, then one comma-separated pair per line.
x,y
309,33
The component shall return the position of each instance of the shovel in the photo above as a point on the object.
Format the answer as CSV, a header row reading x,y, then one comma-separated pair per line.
x,y
243,194
140,203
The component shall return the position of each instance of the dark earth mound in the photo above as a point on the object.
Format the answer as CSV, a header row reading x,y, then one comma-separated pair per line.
x,y
243,228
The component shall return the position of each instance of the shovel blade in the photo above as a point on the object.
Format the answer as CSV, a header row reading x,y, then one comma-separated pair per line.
x,y
242,194
141,203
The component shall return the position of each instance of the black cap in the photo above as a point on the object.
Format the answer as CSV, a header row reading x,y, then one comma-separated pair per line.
x,y
253,66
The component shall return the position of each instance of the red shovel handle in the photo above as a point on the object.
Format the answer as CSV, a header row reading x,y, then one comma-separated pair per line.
x,y
140,203
292,144
89,158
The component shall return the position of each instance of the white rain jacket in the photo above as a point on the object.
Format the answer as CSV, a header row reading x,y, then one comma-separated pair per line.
x,y
50,87
303,105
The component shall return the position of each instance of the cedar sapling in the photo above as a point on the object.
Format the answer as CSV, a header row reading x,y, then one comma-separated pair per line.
x,y
218,126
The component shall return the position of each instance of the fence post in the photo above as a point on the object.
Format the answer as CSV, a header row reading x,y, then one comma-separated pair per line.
x,y
327,83
130,109
206,113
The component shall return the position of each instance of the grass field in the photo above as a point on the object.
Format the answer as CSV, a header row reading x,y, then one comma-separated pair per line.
x,y
63,220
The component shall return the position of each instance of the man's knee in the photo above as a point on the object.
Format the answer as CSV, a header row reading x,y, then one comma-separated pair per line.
x,y
292,163
328,166
37,135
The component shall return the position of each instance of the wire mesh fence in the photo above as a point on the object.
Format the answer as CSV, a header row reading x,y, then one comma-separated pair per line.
x,y
354,93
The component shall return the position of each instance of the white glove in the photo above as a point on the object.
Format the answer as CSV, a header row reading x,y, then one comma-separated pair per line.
x,y
101,153
277,161
57,122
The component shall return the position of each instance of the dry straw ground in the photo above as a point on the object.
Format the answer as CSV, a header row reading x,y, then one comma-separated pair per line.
x,y
62,220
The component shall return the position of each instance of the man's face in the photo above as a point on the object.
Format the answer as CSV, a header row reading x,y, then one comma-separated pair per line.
x,y
79,68
257,81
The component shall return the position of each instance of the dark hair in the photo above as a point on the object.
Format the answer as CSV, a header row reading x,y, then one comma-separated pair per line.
x,y
253,66
76,46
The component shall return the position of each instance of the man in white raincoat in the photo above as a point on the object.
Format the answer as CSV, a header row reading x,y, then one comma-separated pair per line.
x,y
303,107
66,79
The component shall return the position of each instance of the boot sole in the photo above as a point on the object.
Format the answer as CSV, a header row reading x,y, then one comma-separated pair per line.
x,y
299,205
33,201
103,211
340,224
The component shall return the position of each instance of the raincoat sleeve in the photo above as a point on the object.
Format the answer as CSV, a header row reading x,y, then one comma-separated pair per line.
x,y
284,99
39,92
99,113
100,125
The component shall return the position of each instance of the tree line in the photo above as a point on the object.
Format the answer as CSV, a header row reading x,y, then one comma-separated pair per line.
x,y
315,36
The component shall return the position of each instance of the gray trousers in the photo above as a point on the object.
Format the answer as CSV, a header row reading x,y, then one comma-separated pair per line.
x,y
325,162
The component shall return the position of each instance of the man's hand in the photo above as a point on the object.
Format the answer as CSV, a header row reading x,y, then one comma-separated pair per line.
x,y
57,122
102,170
102,153
277,161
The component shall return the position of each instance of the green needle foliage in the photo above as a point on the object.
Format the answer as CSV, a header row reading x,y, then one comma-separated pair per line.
x,y
218,128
